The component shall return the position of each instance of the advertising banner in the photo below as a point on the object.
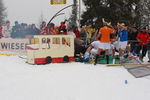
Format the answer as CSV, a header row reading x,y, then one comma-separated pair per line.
x,y
14,45
54,2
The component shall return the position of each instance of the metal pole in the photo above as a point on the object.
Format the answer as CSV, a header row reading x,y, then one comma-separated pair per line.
x,y
58,13
79,12
148,21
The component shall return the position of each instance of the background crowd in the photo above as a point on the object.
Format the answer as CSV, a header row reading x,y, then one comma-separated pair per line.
x,y
23,30
138,39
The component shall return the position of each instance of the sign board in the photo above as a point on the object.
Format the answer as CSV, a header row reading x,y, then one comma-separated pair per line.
x,y
14,45
53,2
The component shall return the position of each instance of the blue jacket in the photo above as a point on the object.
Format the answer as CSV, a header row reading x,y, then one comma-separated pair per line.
x,y
123,35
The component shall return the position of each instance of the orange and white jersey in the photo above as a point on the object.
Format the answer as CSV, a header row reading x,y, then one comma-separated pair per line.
x,y
105,34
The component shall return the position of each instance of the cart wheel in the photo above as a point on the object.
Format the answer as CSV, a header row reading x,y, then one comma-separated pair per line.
x,y
48,59
66,59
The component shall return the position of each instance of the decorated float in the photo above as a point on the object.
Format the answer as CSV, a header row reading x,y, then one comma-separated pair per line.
x,y
50,49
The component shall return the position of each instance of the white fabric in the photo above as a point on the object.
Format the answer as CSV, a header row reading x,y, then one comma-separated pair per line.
x,y
71,33
104,46
94,51
123,45
6,32
115,45
96,44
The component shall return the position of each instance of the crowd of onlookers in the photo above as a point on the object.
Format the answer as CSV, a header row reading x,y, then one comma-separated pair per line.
x,y
22,30
18,30
138,39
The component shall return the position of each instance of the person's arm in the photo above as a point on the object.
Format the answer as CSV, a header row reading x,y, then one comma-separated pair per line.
x,y
112,30
138,37
98,36
147,40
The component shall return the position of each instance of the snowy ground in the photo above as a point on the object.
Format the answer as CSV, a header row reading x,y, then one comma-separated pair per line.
x,y
72,81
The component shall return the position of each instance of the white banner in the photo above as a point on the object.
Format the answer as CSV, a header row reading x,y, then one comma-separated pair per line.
x,y
15,45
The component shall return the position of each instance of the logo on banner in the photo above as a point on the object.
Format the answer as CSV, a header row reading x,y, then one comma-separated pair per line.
x,y
15,45
53,2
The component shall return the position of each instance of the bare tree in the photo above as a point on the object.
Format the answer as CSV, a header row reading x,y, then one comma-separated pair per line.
x,y
2,12
144,13
73,17
41,19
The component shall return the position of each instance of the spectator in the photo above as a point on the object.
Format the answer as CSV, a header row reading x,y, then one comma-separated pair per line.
x,y
43,28
70,32
51,29
15,30
62,28
90,30
83,33
142,39
148,49
34,30
76,31
83,36
24,31
132,38
56,28
7,30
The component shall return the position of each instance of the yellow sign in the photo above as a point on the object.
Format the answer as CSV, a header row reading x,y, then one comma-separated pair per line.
x,y
53,2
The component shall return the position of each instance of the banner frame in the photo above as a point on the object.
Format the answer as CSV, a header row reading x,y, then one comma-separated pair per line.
x,y
54,2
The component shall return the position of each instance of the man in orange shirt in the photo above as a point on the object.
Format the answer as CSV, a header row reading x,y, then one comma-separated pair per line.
x,y
104,35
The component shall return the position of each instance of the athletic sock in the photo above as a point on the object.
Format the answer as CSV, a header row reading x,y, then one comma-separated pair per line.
x,y
121,58
107,59
95,62
86,55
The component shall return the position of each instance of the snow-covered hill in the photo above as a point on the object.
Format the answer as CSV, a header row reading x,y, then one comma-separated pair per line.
x,y
70,81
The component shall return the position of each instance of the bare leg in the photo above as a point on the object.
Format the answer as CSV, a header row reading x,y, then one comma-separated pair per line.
x,y
121,54
128,49
107,56
98,53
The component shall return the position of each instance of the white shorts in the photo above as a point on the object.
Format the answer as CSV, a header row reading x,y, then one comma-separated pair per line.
x,y
115,45
96,44
94,51
105,46
123,45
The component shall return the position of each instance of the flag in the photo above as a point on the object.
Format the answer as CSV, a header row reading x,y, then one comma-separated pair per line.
x,y
53,2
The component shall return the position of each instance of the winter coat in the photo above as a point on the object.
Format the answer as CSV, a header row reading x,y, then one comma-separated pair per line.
x,y
143,39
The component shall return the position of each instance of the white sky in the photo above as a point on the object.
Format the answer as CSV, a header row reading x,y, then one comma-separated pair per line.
x,y
30,11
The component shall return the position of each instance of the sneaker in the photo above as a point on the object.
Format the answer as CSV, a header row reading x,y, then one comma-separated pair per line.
x,y
141,59
95,61
91,61
126,56
86,59
122,60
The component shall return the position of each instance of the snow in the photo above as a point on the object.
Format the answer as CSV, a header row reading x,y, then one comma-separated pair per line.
x,y
68,81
